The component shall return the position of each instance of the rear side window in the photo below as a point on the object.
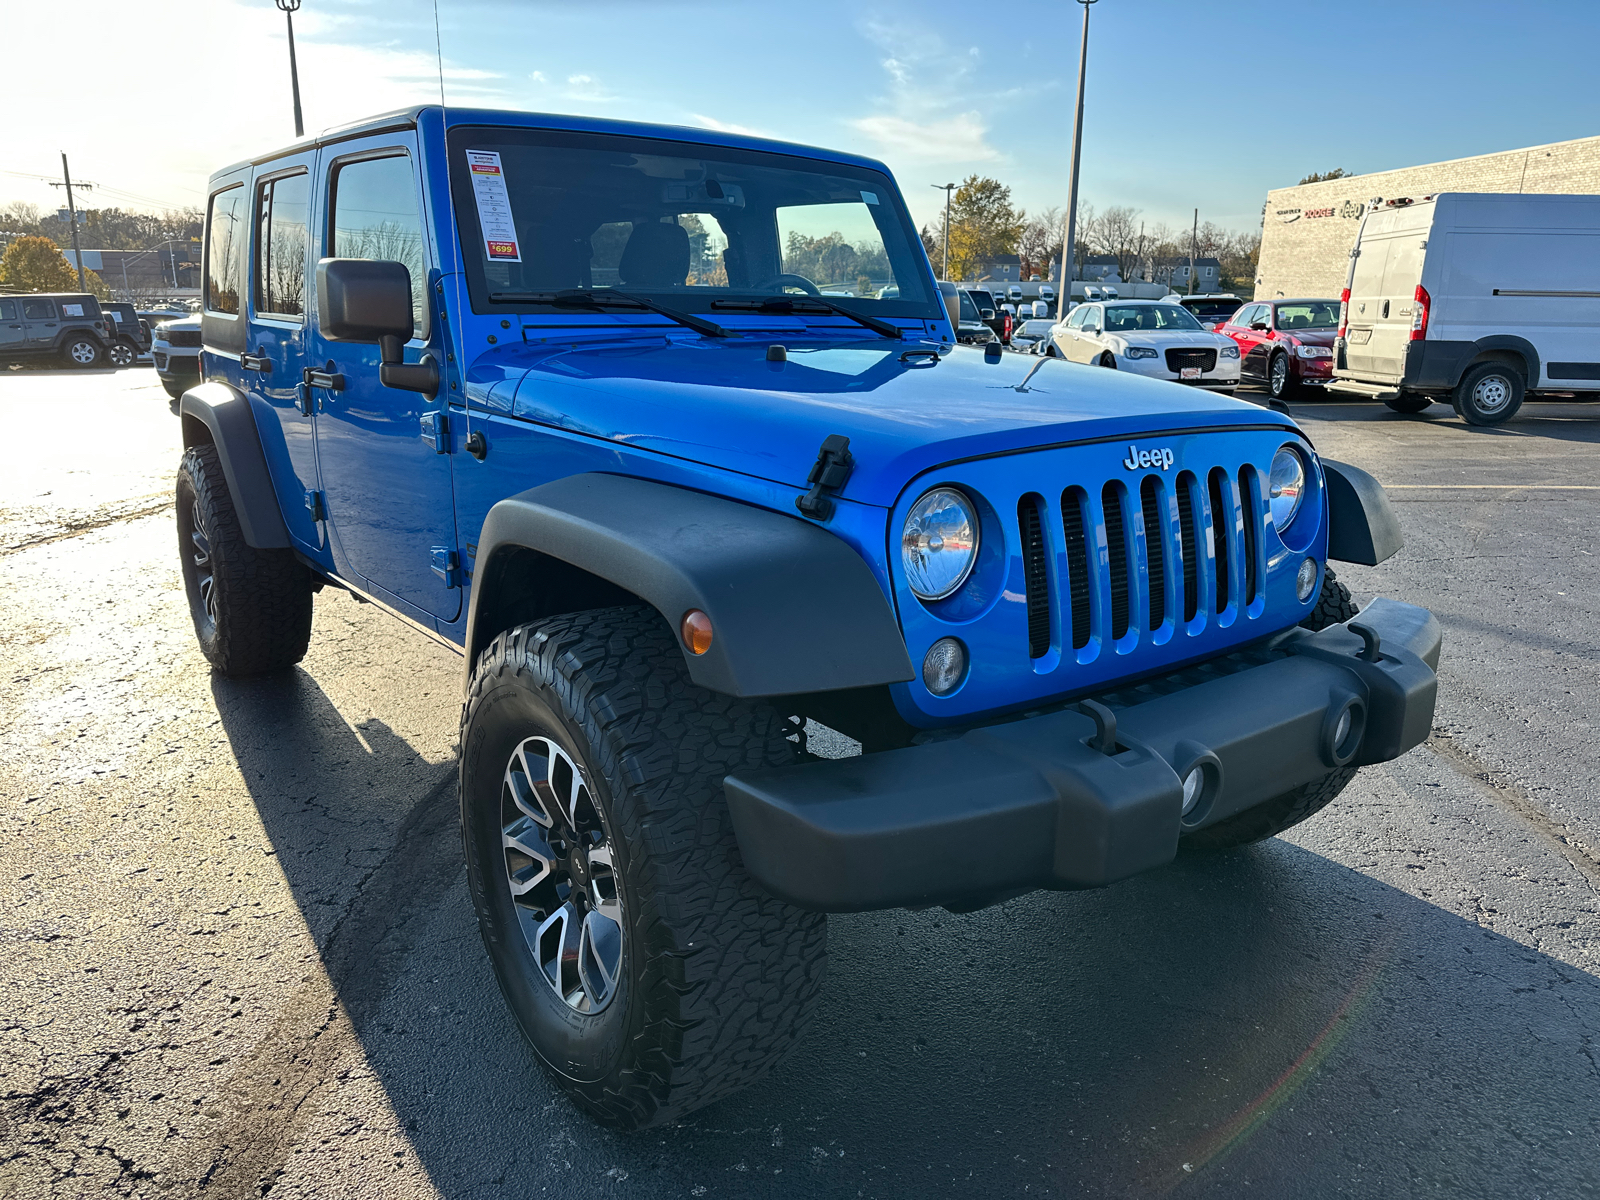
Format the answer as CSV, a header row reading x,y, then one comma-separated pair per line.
x,y
9,311
38,310
282,238
375,216
226,234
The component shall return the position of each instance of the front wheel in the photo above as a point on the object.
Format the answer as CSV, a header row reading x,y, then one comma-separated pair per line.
x,y
81,352
1108,360
1489,394
648,971
1279,383
251,608
1408,402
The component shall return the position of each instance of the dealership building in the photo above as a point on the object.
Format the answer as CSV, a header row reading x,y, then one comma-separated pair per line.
x,y
1308,230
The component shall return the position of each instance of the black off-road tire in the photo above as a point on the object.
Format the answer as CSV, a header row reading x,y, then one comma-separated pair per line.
x,y
1273,816
251,608
717,980
1408,402
1489,394
1334,605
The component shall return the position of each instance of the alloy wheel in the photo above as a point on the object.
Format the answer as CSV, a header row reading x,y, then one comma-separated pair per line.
x,y
121,355
82,353
562,874
1279,381
204,575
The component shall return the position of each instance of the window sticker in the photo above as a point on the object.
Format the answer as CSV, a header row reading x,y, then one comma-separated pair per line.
x,y
494,206
72,310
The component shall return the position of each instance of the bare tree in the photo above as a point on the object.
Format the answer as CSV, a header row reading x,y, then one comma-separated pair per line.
x,y
1039,247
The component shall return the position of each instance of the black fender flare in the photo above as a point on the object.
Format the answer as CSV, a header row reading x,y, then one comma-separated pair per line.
x,y
793,607
1362,526
224,412
1505,341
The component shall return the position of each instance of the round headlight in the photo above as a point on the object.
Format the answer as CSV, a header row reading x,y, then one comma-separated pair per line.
x,y
939,543
1284,486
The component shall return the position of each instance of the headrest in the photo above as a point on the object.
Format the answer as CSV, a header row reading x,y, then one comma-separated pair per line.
x,y
656,255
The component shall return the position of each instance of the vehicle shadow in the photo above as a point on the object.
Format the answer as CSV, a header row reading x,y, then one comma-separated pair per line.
x,y
1269,1018
1559,420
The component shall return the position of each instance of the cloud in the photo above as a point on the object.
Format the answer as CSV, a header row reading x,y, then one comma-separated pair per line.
x,y
918,118
579,88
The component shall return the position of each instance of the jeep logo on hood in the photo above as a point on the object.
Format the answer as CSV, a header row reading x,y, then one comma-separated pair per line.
x,y
1143,459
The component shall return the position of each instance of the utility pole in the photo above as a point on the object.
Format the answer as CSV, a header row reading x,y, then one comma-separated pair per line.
x,y
1194,247
1065,296
72,217
947,188
289,8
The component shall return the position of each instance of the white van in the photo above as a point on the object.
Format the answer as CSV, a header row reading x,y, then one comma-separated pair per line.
x,y
1474,298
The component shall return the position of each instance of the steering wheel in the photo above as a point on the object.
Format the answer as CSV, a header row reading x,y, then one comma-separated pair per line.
x,y
789,280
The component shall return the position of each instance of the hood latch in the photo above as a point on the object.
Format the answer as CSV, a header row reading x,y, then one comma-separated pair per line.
x,y
828,474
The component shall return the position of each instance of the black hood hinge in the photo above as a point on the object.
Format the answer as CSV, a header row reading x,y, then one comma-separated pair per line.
x,y
828,474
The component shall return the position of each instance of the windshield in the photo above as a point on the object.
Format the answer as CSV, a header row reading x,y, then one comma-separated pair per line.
x,y
969,310
688,225
1132,318
1314,314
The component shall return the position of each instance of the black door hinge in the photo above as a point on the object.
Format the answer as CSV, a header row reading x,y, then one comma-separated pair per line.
x,y
315,506
828,474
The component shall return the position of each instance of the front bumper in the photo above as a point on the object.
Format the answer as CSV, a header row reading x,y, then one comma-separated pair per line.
x,y
1030,804
1224,375
176,365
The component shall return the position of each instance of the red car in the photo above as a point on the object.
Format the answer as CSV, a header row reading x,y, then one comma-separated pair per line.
x,y
1285,344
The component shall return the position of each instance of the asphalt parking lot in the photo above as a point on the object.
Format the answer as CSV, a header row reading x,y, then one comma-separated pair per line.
x,y
239,959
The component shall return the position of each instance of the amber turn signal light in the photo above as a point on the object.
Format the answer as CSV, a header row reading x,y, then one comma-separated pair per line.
x,y
696,630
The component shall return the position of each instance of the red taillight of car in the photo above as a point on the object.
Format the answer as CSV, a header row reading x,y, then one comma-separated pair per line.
x,y
1344,311
1419,314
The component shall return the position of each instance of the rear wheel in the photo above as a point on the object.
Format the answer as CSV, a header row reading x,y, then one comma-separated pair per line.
x,y
81,352
1408,402
648,971
251,608
1489,393
122,354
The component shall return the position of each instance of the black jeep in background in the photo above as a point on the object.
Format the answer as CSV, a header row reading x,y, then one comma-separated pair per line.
x,y
67,326
132,335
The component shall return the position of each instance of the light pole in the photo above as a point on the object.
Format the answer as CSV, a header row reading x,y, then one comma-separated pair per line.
x,y
289,8
1067,241
946,188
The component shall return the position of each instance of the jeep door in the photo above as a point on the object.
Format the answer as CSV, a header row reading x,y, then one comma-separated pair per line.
x,y
13,333
40,321
275,356
386,486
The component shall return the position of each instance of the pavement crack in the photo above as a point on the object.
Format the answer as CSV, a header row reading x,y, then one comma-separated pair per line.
x,y
88,524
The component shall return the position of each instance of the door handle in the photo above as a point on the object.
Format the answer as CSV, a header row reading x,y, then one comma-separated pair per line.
x,y
315,377
256,362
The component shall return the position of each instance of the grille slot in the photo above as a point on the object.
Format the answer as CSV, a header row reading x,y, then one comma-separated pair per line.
x,y
182,337
1117,547
1191,549
1077,548
1206,360
1038,582
1221,529
1252,506
1154,549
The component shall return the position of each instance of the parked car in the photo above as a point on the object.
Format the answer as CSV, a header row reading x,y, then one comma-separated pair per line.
x,y
133,339
1210,309
989,312
1032,335
1477,299
971,327
176,350
1286,344
1149,338
1073,619
68,327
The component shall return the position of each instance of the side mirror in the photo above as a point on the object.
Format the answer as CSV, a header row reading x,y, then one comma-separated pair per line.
x,y
1092,330
1258,325
369,300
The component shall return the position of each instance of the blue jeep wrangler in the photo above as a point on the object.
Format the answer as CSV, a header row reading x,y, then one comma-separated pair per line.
x,y
667,432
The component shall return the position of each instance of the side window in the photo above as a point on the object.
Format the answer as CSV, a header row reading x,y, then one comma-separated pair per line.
x,y
969,310
38,310
1091,316
375,216
1075,321
225,240
282,238
8,311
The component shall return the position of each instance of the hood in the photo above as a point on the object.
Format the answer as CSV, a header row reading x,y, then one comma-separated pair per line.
x,y
180,323
1311,337
723,404
1175,337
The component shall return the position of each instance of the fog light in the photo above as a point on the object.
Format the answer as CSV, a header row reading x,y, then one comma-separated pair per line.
x,y
1194,783
1306,582
945,666
1341,731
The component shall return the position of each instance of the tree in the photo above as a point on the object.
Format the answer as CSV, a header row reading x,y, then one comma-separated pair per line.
x,y
36,264
983,225
1039,247
1336,173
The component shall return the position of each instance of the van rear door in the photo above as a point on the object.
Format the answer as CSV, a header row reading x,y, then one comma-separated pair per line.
x,y
1383,288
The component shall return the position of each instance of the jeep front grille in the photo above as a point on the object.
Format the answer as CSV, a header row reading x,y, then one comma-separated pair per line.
x,y
181,337
1206,360
1156,560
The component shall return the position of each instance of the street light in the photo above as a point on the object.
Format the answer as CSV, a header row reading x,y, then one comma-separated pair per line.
x,y
289,8
1072,179
946,188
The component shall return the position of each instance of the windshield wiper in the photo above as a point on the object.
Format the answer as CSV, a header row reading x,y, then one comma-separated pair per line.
x,y
788,304
583,298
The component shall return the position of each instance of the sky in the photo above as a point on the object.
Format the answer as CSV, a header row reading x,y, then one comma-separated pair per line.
x,y
1188,104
